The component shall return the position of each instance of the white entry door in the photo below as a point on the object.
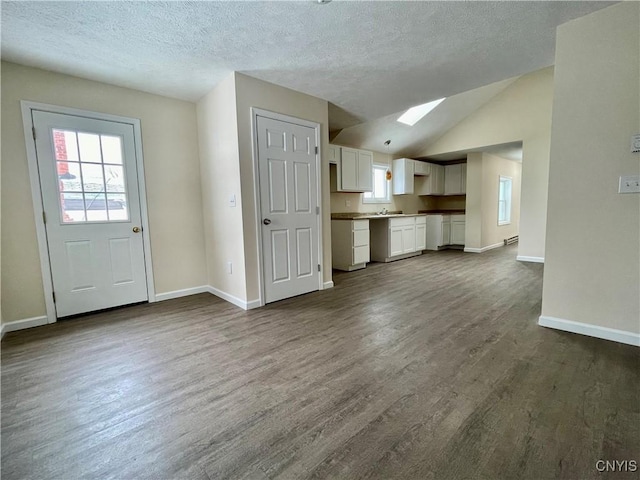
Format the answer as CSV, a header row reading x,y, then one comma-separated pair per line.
x,y
89,186
288,203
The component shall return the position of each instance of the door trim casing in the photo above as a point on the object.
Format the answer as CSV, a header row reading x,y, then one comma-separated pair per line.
x,y
259,112
27,108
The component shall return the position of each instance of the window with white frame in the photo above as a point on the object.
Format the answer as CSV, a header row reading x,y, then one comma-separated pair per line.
x,y
504,201
381,186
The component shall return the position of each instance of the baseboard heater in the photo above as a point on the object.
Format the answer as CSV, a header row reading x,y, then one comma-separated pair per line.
x,y
511,240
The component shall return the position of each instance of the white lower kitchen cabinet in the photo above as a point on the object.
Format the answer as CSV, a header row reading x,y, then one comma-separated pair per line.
x,y
397,237
350,244
457,229
395,243
438,231
444,230
421,233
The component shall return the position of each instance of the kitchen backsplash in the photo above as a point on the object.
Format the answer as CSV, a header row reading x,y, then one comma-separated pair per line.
x,y
352,202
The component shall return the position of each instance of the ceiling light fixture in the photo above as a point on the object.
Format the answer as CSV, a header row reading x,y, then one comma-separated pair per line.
x,y
387,174
414,114
322,2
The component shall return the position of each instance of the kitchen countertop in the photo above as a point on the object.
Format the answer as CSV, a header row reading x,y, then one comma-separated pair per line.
x,y
371,216
442,212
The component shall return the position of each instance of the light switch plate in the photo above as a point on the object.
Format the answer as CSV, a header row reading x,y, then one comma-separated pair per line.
x,y
232,200
629,184
635,144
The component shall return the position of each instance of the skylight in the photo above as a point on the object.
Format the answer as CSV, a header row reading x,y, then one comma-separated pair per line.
x,y
414,114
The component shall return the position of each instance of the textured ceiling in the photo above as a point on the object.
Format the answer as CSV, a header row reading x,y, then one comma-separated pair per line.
x,y
369,59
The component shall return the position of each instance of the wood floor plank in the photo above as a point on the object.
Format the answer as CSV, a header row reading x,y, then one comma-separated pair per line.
x,y
432,367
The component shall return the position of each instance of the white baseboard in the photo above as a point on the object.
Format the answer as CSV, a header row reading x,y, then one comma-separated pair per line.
x,y
38,321
181,293
253,304
22,324
524,258
232,299
483,249
605,333
208,289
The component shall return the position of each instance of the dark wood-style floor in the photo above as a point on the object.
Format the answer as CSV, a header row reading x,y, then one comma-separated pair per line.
x,y
426,368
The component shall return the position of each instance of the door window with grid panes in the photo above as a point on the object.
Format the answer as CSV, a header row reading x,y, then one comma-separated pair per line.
x,y
92,183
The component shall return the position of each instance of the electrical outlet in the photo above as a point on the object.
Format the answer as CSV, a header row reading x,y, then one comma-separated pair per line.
x,y
229,268
629,184
347,203
232,200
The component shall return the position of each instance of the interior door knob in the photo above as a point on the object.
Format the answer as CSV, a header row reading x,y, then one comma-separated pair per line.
x,y
266,221
136,229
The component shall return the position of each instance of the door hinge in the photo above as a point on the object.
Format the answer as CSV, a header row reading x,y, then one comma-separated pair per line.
x,y
317,210
316,147
319,268
33,132
54,296
44,217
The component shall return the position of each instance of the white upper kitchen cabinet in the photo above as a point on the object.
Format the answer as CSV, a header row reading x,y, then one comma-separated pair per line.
x,y
433,184
455,179
421,168
403,172
355,170
333,154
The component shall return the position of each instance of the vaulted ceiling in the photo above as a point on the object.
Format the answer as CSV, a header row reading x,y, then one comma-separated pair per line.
x,y
370,60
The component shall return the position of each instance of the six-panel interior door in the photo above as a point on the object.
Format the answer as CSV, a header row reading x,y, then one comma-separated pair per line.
x,y
89,186
288,201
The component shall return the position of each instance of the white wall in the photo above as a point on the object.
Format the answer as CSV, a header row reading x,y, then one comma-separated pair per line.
x,y
220,175
522,112
592,270
169,135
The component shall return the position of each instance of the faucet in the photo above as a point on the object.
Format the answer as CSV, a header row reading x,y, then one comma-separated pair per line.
x,y
384,211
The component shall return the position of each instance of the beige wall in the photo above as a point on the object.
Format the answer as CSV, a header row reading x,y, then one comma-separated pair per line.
x,y
483,173
251,92
406,203
592,270
169,136
220,175
473,214
492,168
522,112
